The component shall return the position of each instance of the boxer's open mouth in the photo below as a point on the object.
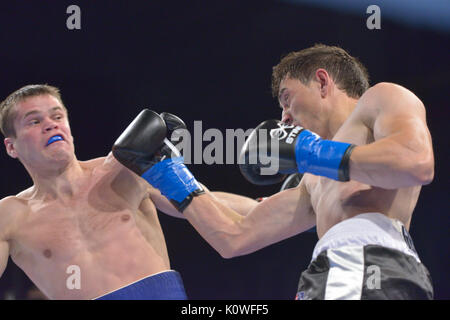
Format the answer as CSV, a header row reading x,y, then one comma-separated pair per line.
x,y
54,139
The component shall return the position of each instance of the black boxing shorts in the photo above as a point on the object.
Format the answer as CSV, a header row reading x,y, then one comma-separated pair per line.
x,y
367,257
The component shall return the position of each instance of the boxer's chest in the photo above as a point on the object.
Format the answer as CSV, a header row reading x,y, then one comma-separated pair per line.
x,y
63,228
327,193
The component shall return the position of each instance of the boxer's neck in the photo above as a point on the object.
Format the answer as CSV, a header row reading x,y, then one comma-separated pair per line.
x,y
62,183
341,108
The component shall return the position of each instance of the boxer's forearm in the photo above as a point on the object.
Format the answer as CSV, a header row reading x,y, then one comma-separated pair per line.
x,y
163,204
391,164
280,216
215,223
242,205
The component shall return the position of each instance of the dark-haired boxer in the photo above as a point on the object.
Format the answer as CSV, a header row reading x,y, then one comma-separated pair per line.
x,y
365,154
84,229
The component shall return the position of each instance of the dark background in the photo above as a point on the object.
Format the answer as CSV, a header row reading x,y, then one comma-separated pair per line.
x,y
211,61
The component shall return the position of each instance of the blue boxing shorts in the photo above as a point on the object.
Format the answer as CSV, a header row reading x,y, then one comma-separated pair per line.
x,y
166,285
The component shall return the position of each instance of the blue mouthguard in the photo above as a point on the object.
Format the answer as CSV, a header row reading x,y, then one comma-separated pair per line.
x,y
53,139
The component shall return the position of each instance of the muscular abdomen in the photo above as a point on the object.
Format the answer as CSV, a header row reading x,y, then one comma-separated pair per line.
x,y
335,201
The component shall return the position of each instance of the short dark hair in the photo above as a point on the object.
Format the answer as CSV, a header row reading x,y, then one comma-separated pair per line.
x,y
348,72
7,113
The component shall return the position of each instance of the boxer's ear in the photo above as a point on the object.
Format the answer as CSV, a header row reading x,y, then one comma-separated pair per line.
x,y
10,149
324,80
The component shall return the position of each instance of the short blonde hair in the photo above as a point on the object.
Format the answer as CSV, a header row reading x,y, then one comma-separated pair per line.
x,y
7,113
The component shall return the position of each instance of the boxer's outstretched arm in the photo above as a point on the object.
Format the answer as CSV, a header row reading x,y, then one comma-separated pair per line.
x,y
402,154
144,149
241,204
4,245
278,217
4,254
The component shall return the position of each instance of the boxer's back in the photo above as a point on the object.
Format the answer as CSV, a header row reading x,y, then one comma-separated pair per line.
x,y
106,232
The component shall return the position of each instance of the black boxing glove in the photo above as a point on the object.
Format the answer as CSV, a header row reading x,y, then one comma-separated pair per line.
x,y
255,163
290,149
144,148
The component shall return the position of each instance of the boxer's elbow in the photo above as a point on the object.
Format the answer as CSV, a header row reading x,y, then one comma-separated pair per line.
x,y
419,170
228,254
424,172
231,245
231,248
423,165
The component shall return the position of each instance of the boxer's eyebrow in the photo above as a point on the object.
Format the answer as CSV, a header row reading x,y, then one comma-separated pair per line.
x,y
57,108
280,96
280,93
32,112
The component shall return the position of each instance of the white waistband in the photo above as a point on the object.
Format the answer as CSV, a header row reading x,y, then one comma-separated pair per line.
x,y
365,229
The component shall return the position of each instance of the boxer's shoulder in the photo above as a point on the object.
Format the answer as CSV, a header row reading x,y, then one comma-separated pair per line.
x,y
108,167
17,202
388,92
92,163
108,162
104,164
386,97
12,208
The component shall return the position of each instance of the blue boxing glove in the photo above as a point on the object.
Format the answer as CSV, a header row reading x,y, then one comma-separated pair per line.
x,y
295,149
144,148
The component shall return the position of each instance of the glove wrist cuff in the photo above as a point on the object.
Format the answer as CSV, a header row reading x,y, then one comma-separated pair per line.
x,y
174,181
323,157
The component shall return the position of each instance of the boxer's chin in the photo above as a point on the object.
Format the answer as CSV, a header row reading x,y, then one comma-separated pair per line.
x,y
61,155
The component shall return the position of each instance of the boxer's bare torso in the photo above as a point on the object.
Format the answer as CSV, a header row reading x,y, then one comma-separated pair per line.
x,y
107,226
388,127
333,201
